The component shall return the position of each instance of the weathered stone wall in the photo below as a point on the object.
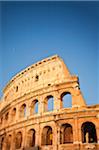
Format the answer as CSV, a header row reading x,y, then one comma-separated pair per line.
x,y
47,78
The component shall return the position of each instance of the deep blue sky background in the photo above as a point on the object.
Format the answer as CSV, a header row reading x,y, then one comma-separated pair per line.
x,y
31,31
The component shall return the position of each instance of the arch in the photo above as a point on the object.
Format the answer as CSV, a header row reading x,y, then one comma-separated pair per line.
x,y
66,99
2,143
18,140
49,103
36,78
31,138
1,120
88,133
23,111
7,116
66,134
47,136
13,114
16,89
34,107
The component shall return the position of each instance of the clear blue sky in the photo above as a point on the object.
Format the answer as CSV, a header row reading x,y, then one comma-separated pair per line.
x,y
31,31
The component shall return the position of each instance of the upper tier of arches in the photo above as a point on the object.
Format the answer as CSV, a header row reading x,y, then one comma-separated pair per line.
x,y
42,74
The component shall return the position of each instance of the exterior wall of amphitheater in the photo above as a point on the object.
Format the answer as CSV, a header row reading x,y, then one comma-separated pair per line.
x,y
26,122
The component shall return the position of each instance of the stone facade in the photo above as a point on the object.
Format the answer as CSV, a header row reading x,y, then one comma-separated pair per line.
x,y
28,123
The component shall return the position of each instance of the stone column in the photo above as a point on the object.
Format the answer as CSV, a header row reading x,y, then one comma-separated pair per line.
x,y
17,113
97,129
10,120
40,139
75,131
77,98
13,141
79,135
27,109
24,138
37,135
41,105
76,134
57,136
57,101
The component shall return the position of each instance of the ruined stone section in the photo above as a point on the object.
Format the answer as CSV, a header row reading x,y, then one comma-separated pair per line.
x,y
34,114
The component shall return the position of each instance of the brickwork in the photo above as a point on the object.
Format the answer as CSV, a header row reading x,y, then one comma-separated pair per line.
x,y
27,122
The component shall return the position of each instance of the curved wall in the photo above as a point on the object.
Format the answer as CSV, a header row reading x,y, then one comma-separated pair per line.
x,y
25,117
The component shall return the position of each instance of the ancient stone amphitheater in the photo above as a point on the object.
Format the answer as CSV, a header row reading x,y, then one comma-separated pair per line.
x,y
33,112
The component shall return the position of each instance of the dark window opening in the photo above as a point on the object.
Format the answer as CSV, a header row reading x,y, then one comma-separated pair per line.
x,y
36,78
47,136
31,136
89,133
2,143
16,88
13,114
18,140
66,134
1,120
6,116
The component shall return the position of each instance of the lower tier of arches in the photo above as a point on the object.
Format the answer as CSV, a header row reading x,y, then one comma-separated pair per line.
x,y
52,136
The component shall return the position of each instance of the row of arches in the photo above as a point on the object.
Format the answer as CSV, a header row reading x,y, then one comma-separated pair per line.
x,y
88,131
66,100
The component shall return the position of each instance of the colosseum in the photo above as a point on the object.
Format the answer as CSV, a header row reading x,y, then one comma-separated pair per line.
x,y
34,115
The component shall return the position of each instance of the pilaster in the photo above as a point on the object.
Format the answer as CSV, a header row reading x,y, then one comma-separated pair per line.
x,y
57,101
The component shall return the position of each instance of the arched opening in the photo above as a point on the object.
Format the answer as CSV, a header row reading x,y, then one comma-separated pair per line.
x,y
34,107
31,138
66,134
16,88
1,120
23,111
49,103
36,78
88,133
66,99
2,143
47,136
18,140
13,114
7,117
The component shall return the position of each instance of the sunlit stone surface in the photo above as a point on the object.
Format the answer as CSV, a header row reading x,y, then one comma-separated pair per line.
x,y
43,109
